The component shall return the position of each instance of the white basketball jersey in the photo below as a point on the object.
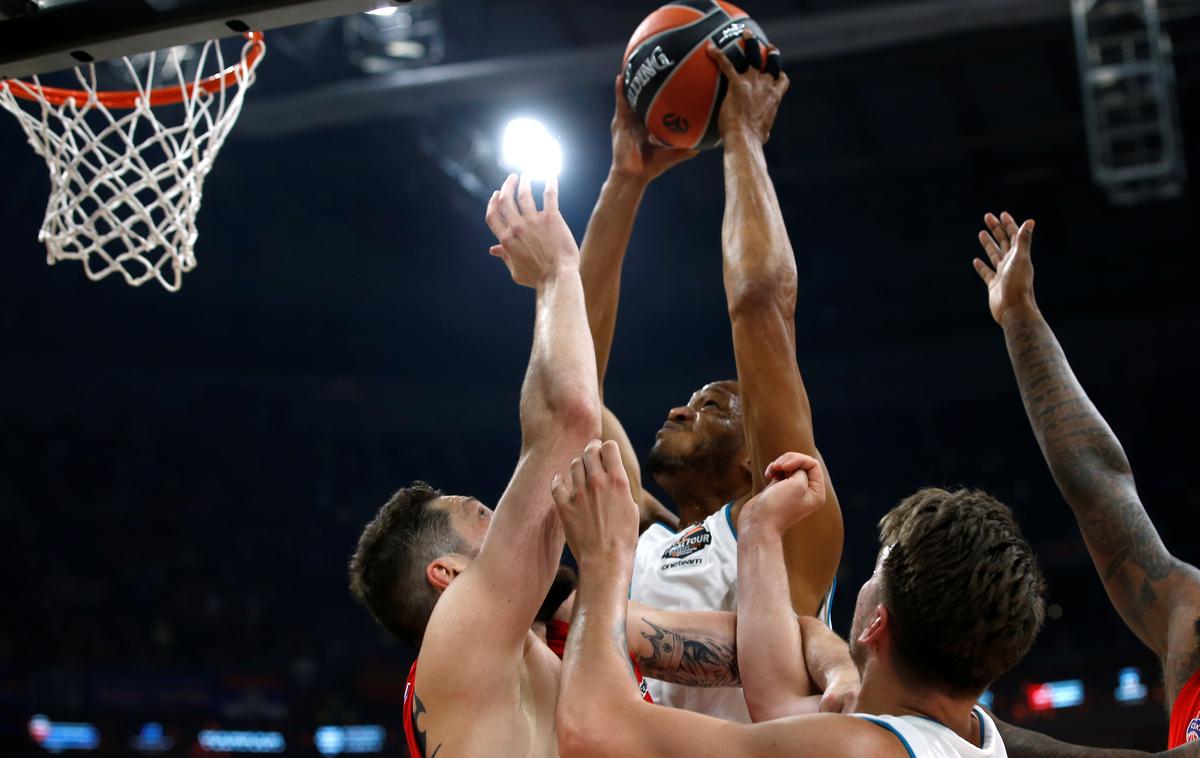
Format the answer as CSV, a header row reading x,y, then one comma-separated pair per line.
x,y
694,569
926,738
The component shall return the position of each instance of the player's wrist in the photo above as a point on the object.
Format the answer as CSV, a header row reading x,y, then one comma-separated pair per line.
x,y
1024,310
756,526
560,272
741,136
606,561
622,179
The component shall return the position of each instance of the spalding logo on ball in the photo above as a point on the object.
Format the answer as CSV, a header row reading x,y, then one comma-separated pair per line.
x,y
670,82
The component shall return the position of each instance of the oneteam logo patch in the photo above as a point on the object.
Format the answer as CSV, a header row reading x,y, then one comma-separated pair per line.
x,y
692,541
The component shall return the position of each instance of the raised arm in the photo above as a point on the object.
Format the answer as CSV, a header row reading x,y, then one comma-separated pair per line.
x,y
485,614
775,680
760,289
1156,594
635,163
600,713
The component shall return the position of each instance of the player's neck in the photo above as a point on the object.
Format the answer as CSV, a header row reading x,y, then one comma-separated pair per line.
x,y
884,693
696,498
697,503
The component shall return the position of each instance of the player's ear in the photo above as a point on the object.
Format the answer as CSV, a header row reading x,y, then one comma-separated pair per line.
x,y
746,462
877,629
444,569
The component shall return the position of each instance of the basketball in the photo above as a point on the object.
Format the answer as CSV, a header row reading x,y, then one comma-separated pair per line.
x,y
671,83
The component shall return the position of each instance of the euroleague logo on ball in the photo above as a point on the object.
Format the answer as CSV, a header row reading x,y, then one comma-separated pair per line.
x,y
676,123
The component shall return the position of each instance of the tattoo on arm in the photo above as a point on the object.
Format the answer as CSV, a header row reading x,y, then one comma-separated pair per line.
x,y
692,659
418,711
1093,474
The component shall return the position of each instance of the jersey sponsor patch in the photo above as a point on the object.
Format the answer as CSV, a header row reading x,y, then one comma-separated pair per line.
x,y
1193,731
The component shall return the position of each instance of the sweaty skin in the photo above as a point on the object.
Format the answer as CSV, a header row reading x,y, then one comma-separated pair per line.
x,y
486,683
1156,594
598,714
767,412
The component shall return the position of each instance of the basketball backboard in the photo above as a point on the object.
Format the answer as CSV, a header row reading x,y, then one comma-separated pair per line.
x,y
51,35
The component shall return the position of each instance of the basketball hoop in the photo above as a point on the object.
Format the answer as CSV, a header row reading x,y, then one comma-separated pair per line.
x,y
125,187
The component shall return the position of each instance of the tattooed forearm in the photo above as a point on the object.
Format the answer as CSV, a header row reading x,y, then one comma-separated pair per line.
x,y
1092,472
695,660
1084,454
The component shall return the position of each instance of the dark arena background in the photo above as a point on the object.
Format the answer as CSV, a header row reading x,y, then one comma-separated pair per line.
x,y
184,475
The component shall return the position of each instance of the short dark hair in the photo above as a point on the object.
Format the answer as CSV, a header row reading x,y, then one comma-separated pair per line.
x,y
387,570
962,586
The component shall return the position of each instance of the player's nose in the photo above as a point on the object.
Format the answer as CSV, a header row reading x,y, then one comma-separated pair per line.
x,y
682,414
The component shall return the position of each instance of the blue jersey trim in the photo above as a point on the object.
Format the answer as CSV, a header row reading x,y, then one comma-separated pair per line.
x,y
729,519
829,604
891,729
982,727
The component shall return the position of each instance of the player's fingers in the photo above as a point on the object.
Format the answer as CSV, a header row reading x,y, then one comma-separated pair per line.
x,y
985,273
1025,237
610,456
753,51
505,202
550,195
525,202
623,109
494,216
722,61
774,62
578,475
790,462
813,470
1010,226
592,465
496,250
994,253
996,227
559,492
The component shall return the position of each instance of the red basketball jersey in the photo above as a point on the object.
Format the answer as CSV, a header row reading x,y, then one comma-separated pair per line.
x,y
1185,715
556,638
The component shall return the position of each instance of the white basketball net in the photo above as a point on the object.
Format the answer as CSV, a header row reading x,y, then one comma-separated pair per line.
x,y
125,187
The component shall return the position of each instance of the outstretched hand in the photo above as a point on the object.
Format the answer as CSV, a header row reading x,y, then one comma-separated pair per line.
x,y
1010,277
795,489
533,244
635,156
753,97
596,507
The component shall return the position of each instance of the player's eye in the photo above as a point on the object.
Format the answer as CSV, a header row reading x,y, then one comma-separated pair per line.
x,y
710,403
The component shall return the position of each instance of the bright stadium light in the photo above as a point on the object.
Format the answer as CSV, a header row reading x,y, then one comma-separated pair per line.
x,y
389,10
527,147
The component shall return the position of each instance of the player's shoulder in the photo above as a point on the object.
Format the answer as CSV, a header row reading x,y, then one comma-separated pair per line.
x,y
830,734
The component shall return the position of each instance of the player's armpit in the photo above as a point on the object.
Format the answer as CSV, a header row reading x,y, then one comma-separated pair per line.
x,y
1182,661
692,648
